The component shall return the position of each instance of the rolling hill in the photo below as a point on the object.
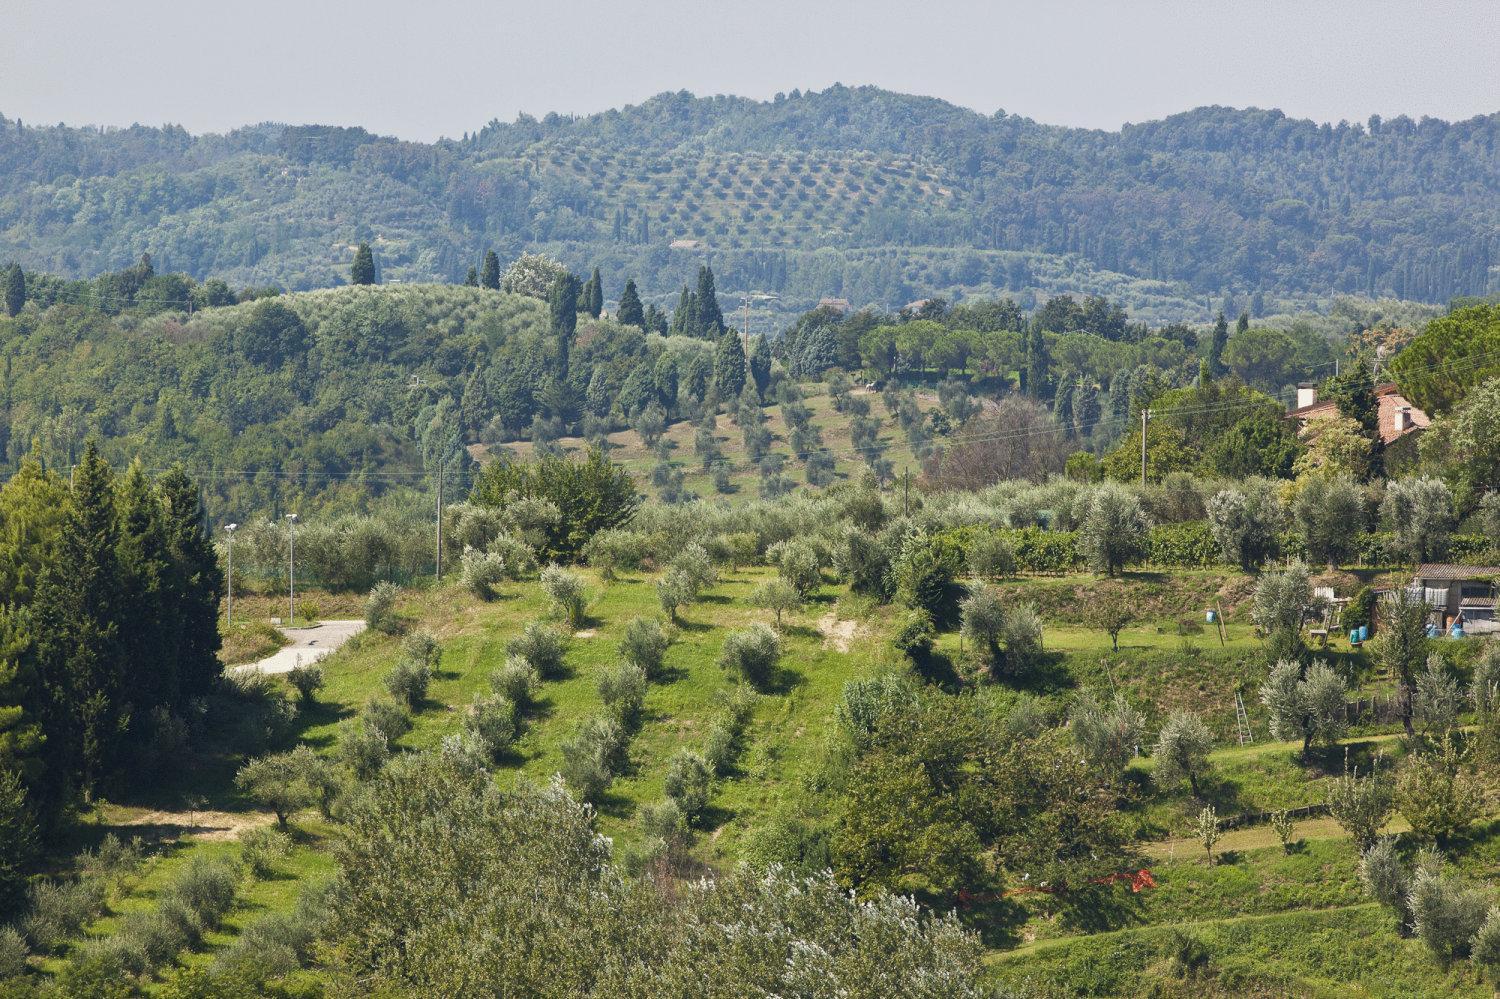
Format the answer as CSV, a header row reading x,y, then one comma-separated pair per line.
x,y
861,193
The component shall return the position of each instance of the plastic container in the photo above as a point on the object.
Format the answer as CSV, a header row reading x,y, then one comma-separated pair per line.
x,y
1212,616
1364,633
1353,636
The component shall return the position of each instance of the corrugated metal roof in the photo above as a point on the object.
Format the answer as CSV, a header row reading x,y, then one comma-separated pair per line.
x,y
1446,570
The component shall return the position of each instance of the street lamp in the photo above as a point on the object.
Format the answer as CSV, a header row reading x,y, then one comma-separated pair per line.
x,y
229,529
291,570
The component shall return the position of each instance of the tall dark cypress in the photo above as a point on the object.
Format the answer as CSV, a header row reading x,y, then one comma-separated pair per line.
x,y
1216,346
489,276
563,305
682,317
79,605
471,280
362,271
729,366
1037,363
15,289
596,294
630,312
710,320
148,636
760,365
194,584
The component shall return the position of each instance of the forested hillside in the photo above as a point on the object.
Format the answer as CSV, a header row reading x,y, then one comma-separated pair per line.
x,y
855,193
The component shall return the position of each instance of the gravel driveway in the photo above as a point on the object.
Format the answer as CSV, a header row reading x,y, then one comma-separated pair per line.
x,y
304,645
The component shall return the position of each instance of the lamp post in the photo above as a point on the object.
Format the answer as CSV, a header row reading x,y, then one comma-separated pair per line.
x,y
291,569
229,530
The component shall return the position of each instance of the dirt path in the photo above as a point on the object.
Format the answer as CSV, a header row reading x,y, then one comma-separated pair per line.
x,y
207,825
837,633
304,645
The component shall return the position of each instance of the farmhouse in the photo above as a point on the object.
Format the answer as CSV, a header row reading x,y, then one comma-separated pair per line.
x,y
1459,594
1397,416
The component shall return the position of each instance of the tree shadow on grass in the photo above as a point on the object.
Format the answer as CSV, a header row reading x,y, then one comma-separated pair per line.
x,y
998,921
938,669
1099,908
316,714
801,631
1047,674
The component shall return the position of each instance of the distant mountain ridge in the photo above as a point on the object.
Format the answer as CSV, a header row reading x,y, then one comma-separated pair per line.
x,y
860,193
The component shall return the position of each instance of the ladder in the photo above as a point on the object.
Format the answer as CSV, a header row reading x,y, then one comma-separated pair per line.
x,y
1242,720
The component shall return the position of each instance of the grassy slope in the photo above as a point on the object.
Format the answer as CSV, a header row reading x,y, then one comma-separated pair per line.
x,y
1274,923
630,451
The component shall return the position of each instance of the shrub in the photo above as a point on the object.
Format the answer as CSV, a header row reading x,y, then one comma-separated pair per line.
x,y
1284,827
1438,794
491,722
516,681
924,574
13,953
1108,736
1446,911
280,943
622,688
261,848
991,556
380,608
1386,880
205,888
307,680
542,646
517,558
645,645
279,782
386,716
407,682
688,781
914,635
363,748
776,595
482,573
1361,805
752,654
1484,949
591,758
798,564
665,822
566,591
60,909
421,647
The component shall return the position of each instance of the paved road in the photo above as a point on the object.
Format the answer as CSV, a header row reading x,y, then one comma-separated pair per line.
x,y
305,645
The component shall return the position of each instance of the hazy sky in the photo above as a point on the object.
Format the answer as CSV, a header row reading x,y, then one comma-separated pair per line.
x,y
424,68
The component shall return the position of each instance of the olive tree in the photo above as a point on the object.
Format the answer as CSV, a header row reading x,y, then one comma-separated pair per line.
x,y
1113,529
777,596
1329,513
1305,705
1402,645
1283,604
1447,911
644,644
279,782
1420,511
751,653
1181,751
1246,523
1360,805
1109,735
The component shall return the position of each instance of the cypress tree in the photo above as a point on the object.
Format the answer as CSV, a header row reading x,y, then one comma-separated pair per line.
x,y
1216,346
77,632
1085,406
20,732
729,366
15,289
1037,363
1243,326
1062,406
683,316
17,841
630,312
760,365
148,634
362,271
710,320
471,280
563,304
193,585
489,277
596,295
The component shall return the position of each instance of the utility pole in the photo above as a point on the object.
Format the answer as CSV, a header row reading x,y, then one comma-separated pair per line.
x,y
229,529
1145,415
291,569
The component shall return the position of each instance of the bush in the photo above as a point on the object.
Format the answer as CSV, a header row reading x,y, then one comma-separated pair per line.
x,y
1361,805
608,551
541,646
482,573
261,848
593,756
665,822
1181,751
13,953
1446,911
516,681
1484,949
516,556
752,654
1108,736
307,680
798,564
407,682
491,721
566,591
421,647
622,688
645,645
924,574
386,716
280,943
688,781
363,749
59,910
914,635
991,556
1386,879
380,608
205,888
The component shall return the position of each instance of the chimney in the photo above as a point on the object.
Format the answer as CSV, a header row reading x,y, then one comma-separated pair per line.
x,y
1403,419
1307,395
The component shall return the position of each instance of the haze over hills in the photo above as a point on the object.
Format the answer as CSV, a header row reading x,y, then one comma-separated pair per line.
x,y
861,194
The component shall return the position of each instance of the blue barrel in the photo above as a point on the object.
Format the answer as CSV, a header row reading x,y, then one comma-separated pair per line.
x,y
1211,617
1432,631
1353,636
1457,631
1364,633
